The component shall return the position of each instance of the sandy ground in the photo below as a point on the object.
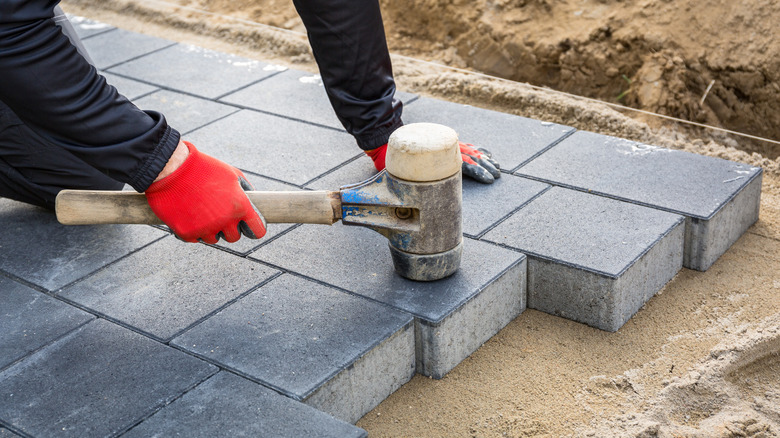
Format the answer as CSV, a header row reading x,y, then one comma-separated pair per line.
x,y
702,358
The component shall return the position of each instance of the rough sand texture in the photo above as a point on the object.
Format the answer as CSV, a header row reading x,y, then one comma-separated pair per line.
x,y
701,358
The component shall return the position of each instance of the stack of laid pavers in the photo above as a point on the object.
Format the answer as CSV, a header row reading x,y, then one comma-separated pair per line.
x,y
124,330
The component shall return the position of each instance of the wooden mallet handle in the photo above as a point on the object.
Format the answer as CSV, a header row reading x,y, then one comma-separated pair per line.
x,y
90,207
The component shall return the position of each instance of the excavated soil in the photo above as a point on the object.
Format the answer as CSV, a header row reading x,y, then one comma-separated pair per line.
x,y
702,358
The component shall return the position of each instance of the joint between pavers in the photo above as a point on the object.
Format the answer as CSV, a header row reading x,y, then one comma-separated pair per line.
x,y
545,149
521,206
165,403
53,341
208,123
102,32
329,171
307,122
14,429
136,57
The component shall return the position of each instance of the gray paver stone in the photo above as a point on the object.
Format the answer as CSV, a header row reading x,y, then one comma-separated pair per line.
x,y
719,198
467,308
97,381
227,405
296,94
592,259
336,352
127,87
168,286
283,149
183,112
40,250
511,139
86,28
195,70
30,319
5,433
484,205
116,46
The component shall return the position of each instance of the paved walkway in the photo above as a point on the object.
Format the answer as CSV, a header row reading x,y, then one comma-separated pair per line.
x,y
124,330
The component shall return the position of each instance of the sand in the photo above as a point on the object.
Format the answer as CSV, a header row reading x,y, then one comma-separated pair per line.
x,y
702,358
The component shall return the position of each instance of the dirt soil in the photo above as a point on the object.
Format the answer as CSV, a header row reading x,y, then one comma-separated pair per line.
x,y
702,358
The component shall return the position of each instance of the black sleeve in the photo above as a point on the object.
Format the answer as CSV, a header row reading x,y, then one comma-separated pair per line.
x,y
58,93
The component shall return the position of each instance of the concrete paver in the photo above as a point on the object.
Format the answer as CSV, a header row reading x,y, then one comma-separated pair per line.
x,y
116,46
167,286
30,319
448,324
183,111
592,259
339,353
195,70
129,88
85,27
512,139
61,254
99,380
227,405
720,198
296,94
275,147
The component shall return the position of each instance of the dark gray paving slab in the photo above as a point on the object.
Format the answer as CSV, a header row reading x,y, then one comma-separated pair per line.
x,y
454,316
30,319
227,405
592,259
110,48
296,94
97,381
5,433
336,352
86,28
484,205
40,250
512,140
245,246
168,286
283,149
196,70
129,88
184,112
720,198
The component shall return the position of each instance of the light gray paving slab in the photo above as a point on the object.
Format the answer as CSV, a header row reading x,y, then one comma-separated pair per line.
x,y
227,405
296,94
719,198
196,70
244,245
110,48
86,27
511,139
40,250
184,112
592,259
336,352
97,381
484,205
30,319
275,147
454,316
168,286
127,87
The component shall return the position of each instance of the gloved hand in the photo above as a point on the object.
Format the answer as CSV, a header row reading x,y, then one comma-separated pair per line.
x,y
204,200
477,163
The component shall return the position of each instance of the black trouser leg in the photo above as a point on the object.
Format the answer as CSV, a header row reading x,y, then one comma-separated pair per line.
x,y
348,41
33,170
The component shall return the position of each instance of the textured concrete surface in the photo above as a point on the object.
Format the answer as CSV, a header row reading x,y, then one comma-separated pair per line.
x,y
592,259
295,94
112,330
297,336
698,187
228,405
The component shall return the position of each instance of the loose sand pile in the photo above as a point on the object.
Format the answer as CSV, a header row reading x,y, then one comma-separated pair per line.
x,y
702,358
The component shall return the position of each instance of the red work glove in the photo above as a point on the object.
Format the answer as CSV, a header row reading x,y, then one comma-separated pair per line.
x,y
477,163
204,200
